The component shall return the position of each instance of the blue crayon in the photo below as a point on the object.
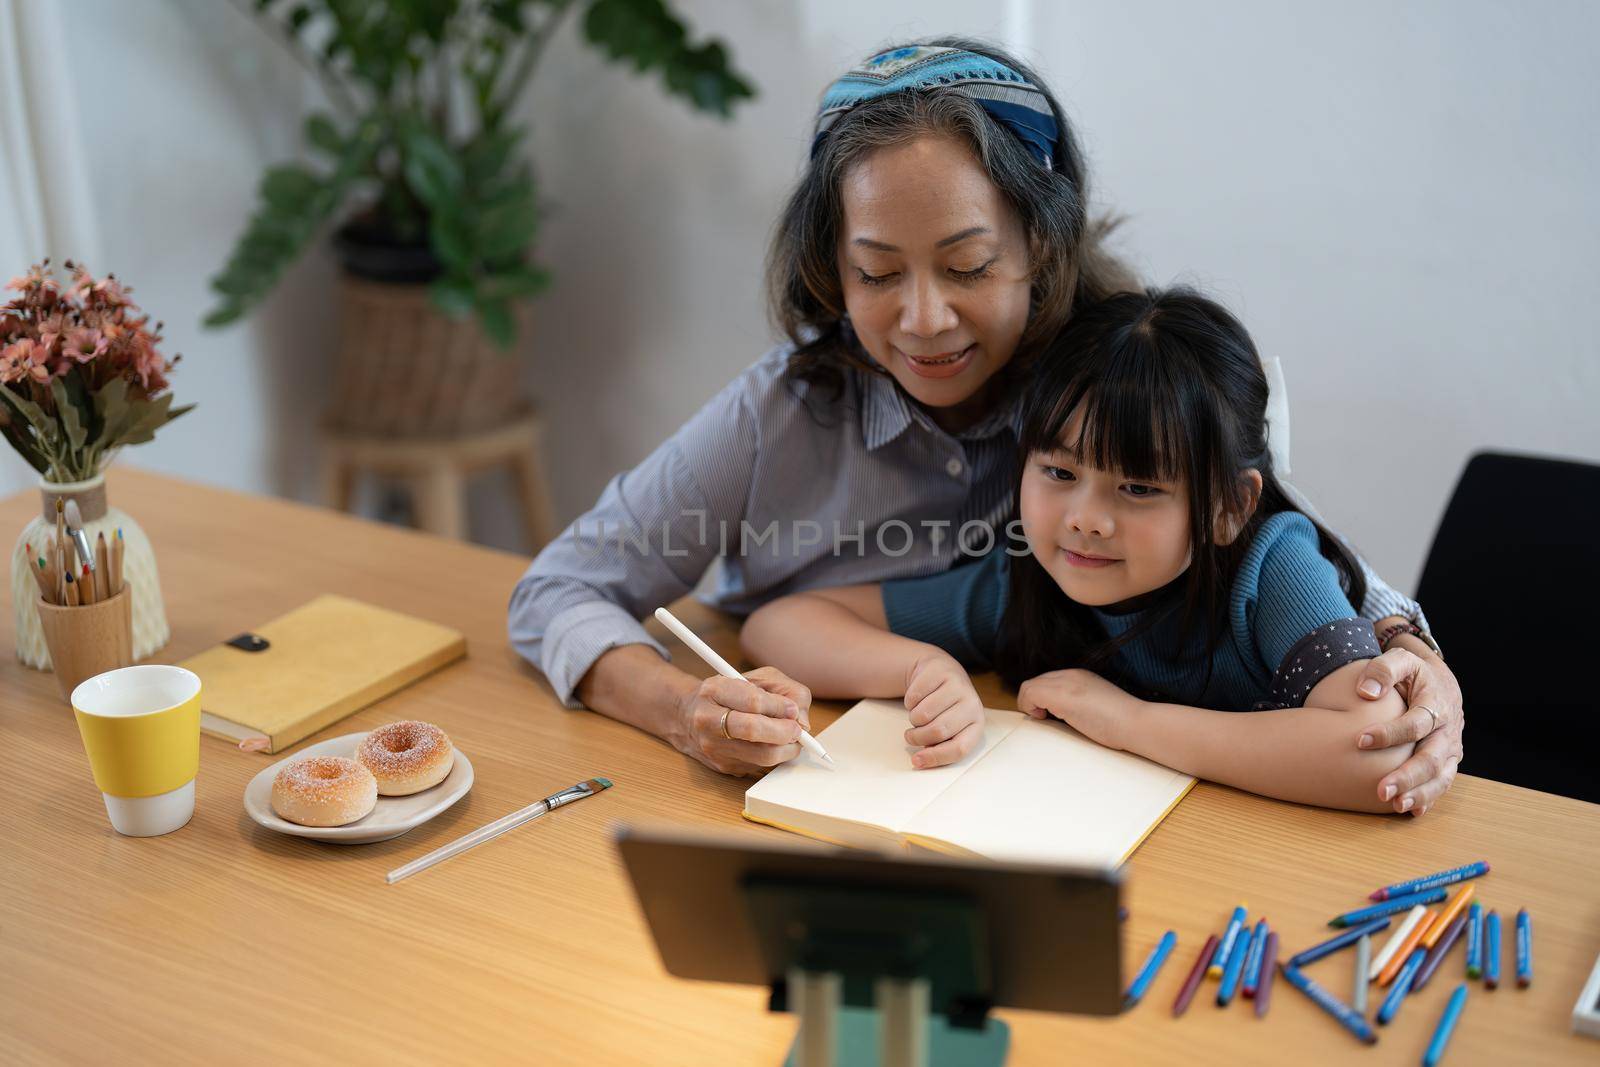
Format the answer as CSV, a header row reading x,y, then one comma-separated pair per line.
x,y
1252,962
1235,967
1147,973
1402,985
1430,881
1331,1004
1391,906
1225,946
1475,941
1491,949
1339,941
1524,949
1447,1024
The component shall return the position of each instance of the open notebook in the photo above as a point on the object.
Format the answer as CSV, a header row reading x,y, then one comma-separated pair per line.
x,y
1034,792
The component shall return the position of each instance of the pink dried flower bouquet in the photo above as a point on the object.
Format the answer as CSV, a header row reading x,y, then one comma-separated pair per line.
x,y
80,373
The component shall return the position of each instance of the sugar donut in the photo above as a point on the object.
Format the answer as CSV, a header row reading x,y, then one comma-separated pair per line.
x,y
406,757
324,791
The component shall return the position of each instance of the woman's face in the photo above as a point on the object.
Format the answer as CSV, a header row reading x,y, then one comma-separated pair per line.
x,y
934,265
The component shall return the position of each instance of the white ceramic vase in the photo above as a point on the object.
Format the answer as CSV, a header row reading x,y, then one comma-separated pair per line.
x,y
150,630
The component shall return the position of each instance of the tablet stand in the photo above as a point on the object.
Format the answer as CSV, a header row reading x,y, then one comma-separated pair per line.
x,y
878,975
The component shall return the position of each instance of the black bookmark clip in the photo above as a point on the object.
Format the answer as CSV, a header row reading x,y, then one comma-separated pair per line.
x,y
250,643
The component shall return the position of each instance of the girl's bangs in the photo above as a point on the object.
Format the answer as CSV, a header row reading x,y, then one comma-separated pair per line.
x,y
1133,419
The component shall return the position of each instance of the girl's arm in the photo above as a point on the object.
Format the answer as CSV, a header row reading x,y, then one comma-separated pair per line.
x,y
837,641
1297,754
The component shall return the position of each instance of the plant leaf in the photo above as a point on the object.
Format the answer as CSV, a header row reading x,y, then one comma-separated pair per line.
x,y
430,169
454,295
71,421
323,134
494,315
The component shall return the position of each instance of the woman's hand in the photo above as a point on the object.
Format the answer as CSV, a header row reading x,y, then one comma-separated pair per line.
x,y
1417,784
946,714
744,726
1084,701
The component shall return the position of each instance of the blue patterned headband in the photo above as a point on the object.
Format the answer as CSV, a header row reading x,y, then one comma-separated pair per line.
x,y
1008,97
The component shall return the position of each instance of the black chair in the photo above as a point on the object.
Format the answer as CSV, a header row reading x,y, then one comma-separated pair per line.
x,y
1512,591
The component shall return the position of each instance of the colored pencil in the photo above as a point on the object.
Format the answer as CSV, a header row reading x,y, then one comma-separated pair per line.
x,y
1439,951
1447,1025
1475,941
1339,941
40,577
102,568
1235,967
1392,946
1330,1004
1402,985
1524,949
117,548
71,599
86,585
1392,906
1191,983
1430,881
1458,903
1147,973
1403,953
1269,968
1358,996
1252,962
1230,937
1491,949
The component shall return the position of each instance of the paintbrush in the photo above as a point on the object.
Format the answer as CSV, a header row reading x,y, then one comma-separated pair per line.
x,y
500,826
80,536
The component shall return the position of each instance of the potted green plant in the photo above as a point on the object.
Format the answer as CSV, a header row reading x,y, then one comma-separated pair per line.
x,y
422,171
81,377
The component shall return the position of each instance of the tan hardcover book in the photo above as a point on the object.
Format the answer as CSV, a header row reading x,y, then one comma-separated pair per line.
x,y
321,662
1033,792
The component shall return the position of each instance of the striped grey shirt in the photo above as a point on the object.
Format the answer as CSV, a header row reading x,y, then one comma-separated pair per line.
x,y
790,488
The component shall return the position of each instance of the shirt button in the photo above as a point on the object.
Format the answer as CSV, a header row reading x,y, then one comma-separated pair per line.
x,y
954,467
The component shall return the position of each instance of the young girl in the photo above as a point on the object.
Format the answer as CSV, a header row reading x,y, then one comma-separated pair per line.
x,y
1166,583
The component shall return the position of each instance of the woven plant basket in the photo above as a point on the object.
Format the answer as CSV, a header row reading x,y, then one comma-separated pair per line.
x,y
405,369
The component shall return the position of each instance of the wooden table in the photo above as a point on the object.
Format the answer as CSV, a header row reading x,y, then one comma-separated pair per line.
x,y
224,942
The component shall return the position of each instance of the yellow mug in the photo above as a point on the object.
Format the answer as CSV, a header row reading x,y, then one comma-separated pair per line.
x,y
141,729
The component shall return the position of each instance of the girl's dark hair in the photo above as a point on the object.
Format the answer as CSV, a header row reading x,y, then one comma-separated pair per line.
x,y
1170,388
1069,268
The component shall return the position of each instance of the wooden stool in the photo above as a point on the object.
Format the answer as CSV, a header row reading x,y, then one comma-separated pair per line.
x,y
436,470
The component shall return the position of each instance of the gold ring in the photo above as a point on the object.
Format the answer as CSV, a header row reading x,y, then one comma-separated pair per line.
x,y
725,732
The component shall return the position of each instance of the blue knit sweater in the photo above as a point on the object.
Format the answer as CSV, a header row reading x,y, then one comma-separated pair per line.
x,y
1290,624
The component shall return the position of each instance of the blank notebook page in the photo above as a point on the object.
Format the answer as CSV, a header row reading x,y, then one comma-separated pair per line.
x,y
872,780
1047,794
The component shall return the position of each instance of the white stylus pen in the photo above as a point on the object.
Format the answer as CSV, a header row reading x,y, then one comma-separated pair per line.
x,y
722,667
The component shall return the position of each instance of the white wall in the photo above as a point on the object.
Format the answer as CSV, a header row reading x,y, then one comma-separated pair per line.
x,y
1398,203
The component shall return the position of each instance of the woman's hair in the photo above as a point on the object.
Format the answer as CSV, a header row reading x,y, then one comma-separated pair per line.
x,y
1169,388
1069,269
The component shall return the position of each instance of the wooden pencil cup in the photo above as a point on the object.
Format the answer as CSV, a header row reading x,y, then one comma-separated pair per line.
x,y
86,641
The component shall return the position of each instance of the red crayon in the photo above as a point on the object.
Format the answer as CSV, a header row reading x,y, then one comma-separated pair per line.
x,y
1269,969
1191,983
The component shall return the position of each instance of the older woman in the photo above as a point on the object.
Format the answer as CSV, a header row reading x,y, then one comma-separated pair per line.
x,y
938,235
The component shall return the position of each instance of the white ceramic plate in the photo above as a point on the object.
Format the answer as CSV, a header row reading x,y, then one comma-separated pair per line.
x,y
392,817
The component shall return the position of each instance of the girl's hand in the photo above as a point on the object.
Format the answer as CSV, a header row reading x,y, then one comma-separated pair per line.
x,y
1084,701
946,714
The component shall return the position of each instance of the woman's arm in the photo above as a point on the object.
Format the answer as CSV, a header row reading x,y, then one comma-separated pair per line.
x,y
1297,754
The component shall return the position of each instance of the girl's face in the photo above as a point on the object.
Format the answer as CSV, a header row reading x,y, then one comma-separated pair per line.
x,y
1104,538
934,265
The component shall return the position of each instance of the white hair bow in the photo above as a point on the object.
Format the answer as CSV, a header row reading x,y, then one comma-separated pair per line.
x,y
1277,416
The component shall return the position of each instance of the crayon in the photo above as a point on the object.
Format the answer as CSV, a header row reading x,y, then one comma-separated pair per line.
x,y
1235,967
1252,962
1392,906
1402,985
1438,952
1339,941
1181,1003
1147,973
1475,941
1458,903
1524,949
1230,936
1447,1025
1269,968
1413,918
1331,1004
1430,881
1491,949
